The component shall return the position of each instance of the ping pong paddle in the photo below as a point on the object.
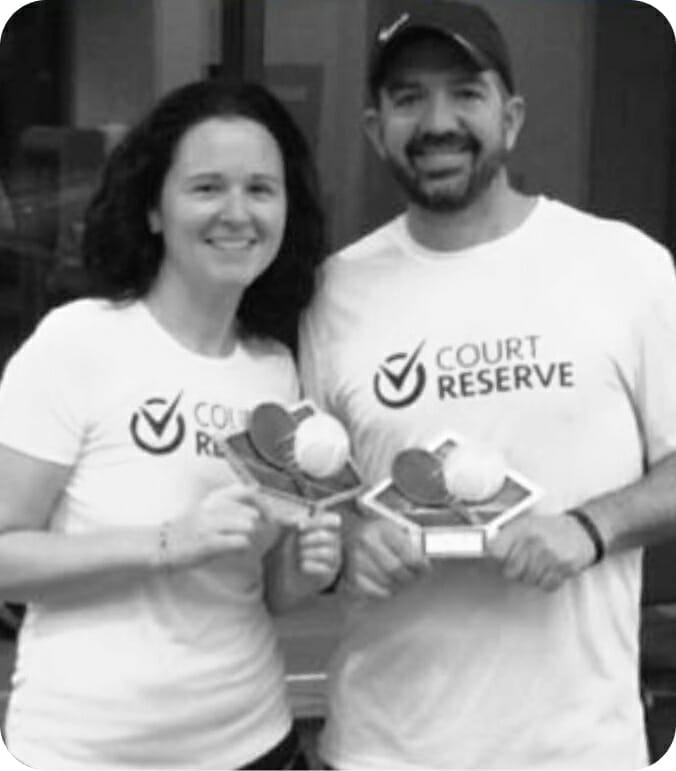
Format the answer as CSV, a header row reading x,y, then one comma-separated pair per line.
x,y
419,475
271,429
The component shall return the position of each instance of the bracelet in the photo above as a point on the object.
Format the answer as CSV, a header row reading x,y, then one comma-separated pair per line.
x,y
590,528
162,557
333,586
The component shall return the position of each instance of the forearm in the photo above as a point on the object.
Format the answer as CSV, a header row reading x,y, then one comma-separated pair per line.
x,y
639,514
38,565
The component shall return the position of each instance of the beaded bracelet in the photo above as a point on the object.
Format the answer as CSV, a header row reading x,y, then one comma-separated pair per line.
x,y
162,557
333,586
589,526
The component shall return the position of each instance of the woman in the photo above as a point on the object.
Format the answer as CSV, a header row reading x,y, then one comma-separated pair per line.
x,y
144,564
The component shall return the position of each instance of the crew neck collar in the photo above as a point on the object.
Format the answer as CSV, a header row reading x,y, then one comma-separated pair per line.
x,y
179,347
484,248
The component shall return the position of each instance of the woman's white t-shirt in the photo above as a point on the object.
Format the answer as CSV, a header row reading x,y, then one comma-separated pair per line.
x,y
176,669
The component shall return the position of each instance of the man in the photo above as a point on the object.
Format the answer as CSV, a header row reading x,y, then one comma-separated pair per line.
x,y
532,327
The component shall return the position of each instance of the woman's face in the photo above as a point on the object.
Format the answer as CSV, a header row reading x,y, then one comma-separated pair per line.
x,y
222,208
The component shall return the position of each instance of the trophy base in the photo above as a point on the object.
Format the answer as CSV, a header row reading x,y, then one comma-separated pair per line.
x,y
453,529
453,542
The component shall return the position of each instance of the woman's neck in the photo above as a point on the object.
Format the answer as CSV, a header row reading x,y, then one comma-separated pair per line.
x,y
202,322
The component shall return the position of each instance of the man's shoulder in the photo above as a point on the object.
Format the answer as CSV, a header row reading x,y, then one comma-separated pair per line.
x,y
601,225
372,245
605,236
609,252
348,271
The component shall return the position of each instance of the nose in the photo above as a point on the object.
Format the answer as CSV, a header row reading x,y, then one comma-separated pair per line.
x,y
233,209
441,114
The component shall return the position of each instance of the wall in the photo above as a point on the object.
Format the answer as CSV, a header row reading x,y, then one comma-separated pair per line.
x,y
182,41
552,45
126,53
321,35
112,71
633,139
574,116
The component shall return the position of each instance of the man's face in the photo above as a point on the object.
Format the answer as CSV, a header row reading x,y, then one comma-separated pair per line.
x,y
444,128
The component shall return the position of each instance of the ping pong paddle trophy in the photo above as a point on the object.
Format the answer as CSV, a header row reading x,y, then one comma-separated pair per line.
x,y
452,497
298,457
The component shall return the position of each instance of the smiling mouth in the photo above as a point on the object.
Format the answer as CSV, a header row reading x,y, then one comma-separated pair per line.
x,y
439,150
440,154
440,163
231,243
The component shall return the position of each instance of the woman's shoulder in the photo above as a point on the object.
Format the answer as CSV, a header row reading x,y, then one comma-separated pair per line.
x,y
81,328
83,317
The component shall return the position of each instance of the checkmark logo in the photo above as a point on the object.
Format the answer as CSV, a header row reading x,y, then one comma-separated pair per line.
x,y
385,33
157,426
400,379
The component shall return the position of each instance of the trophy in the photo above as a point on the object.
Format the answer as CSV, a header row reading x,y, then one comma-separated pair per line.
x,y
298,457
451,497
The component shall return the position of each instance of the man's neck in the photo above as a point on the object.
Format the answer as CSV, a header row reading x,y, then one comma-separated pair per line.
x,y
497,212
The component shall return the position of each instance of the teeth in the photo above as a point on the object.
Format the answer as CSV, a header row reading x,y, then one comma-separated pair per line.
x,y
230,243
439,160
441,152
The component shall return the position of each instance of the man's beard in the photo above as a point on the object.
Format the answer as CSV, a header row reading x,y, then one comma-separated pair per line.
x,y
447,199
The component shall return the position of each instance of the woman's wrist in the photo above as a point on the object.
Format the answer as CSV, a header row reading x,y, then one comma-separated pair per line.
x,y
332,585
161,554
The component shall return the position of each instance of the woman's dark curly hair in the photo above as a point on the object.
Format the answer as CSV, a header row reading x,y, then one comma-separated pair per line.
x,y
122,257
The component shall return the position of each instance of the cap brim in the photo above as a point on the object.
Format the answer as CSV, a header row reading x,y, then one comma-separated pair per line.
x,y
386,54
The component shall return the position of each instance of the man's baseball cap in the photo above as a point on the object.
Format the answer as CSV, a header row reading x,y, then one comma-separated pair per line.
x,y
469,27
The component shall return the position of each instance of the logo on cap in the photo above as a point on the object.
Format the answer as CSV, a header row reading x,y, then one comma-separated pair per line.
x,y
387,32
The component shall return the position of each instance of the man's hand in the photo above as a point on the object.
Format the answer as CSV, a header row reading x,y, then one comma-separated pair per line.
x,y
381,558
542,551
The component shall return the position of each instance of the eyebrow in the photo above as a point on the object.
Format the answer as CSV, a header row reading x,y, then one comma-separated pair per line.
x,y
257,175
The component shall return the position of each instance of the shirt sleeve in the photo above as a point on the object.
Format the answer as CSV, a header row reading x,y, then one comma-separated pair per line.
x,y
43,395
655,363
290,377
312,365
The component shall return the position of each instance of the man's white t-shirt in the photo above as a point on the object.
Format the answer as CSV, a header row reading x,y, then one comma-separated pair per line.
x,y
557,345
178,669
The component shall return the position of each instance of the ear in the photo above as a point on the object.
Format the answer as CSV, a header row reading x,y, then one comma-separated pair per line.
x,y
154,222
514,118
373,129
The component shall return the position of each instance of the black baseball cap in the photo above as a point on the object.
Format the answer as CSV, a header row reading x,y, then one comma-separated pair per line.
x,y
467,26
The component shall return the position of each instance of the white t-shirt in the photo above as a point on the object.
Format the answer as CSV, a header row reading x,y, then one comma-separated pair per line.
x,y
180,669
557,345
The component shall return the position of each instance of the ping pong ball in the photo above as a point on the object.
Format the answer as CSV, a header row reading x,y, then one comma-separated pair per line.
x,y
473,473
321,446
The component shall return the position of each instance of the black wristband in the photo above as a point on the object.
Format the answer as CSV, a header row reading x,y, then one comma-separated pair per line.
x,y
592,531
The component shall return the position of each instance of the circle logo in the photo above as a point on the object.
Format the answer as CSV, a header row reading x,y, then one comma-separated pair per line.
x,y
157,427
401,379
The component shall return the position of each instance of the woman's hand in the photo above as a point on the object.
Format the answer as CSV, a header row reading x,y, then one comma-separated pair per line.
x,y
231,519
319,547
306,560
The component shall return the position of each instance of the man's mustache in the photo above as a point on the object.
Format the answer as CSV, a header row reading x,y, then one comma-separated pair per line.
x,y
447,141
